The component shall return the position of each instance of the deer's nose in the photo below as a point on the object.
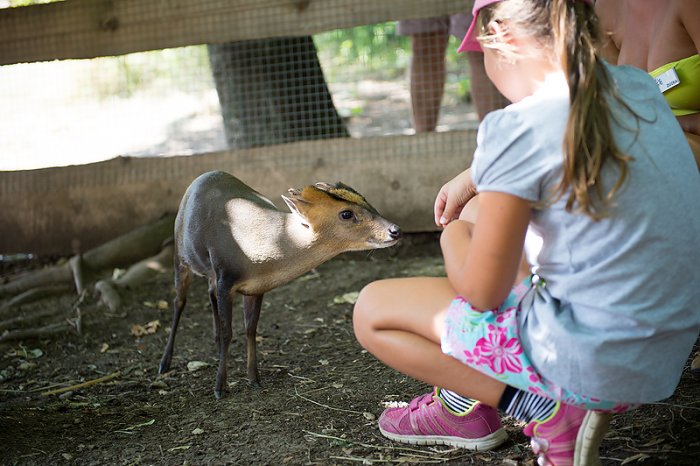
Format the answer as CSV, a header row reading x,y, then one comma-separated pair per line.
x,y
395,232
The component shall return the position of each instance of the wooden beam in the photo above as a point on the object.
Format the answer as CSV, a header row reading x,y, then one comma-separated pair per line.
x,y
59,210
93,28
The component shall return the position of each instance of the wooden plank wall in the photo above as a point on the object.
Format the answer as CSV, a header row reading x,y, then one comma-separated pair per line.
x,y
94,28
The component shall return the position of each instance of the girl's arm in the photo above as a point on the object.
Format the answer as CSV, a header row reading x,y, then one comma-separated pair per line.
x,y
453,197
482,260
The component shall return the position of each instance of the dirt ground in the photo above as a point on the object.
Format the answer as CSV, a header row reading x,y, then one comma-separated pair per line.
x,y
319,402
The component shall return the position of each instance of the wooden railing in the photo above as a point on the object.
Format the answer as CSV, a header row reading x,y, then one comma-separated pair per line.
x,y
95,28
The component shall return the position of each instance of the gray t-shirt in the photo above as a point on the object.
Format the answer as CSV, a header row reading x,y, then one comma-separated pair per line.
x,y
620,310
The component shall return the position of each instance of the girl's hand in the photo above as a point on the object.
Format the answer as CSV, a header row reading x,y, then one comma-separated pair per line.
x,y
453,196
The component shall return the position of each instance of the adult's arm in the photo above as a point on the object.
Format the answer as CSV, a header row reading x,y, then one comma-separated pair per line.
x,y
689,15
607,11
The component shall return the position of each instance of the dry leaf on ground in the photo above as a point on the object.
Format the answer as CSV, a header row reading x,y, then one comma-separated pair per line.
x,y
148,329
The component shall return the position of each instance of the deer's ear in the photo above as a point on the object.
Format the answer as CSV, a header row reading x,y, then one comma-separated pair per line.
x,y
291,204
323,186
296,206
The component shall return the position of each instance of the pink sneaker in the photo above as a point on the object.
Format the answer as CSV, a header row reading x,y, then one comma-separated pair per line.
x,y
569,437
426,421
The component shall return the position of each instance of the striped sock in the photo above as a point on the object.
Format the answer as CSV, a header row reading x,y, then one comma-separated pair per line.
x,y
455,402
525,406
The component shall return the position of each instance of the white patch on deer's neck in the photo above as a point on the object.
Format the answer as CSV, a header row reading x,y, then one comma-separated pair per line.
x,y
301,235
268,236
255,229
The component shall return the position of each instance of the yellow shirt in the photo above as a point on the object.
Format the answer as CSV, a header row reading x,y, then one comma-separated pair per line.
x,y
683,98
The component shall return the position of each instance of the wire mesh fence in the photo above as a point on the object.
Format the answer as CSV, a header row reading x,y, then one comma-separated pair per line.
x,y
348,82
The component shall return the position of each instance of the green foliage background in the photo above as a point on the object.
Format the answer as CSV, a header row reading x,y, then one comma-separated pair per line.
x,y
347,55
375,51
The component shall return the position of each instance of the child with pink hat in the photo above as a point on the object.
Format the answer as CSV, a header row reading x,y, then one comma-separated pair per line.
x,y
590,157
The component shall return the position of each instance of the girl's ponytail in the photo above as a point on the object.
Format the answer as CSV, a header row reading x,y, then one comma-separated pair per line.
x,y
588,142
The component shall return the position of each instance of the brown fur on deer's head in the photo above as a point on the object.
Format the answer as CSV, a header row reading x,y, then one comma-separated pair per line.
x,y
341,216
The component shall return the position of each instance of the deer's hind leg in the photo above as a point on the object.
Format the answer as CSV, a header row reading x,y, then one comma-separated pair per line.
x,y
224,290
215,314
251,312
183,278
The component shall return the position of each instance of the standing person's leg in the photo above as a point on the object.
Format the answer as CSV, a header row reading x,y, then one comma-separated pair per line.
x,y
427,71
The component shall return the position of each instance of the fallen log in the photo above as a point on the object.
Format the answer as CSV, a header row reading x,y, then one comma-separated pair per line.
x,y
108,290
54,275
34,333
124,250
23,319
33,295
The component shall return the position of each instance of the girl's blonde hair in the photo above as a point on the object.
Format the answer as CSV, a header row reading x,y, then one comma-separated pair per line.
x,y
571,28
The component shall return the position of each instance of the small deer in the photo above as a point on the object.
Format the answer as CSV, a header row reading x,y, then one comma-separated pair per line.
x,y
242,243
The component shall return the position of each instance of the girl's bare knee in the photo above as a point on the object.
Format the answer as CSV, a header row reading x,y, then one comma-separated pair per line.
x,y
365,313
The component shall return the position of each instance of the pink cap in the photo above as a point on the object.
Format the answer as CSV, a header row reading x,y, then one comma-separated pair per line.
x,y
470,43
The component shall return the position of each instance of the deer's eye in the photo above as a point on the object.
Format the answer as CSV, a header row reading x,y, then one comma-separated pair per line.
x,y
346,215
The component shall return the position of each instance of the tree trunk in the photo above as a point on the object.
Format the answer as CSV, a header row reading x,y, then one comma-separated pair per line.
x,y
272,91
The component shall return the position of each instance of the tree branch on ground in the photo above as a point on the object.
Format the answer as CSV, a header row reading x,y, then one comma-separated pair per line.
x,y
145,251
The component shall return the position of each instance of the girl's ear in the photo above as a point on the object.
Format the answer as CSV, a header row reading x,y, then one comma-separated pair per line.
x,y
499,32
508,44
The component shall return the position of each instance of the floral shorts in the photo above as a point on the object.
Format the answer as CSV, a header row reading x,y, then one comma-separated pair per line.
x,y
489,342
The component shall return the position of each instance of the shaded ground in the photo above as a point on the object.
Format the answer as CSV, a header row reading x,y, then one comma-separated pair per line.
x,y
319,403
